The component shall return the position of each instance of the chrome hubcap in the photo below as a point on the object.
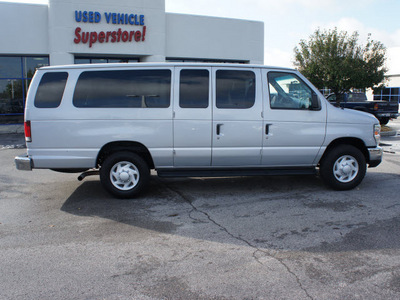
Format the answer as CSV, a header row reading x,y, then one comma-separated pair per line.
x,y
345,168
124,175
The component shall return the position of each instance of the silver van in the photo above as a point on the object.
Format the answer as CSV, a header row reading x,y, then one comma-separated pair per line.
x,y
122,120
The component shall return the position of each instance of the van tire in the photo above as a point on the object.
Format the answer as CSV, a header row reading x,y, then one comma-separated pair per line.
x,y
343,167
124,174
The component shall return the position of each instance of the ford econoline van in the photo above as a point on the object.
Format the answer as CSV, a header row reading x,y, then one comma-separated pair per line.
x,y
122,120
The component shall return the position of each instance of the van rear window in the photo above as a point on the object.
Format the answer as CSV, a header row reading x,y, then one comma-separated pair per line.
x,y
51,89
123,88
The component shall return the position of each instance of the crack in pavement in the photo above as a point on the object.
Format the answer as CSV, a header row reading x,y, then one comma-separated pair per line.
x,y
239,238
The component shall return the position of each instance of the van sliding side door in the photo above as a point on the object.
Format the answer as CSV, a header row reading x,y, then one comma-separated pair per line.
x,y
237,122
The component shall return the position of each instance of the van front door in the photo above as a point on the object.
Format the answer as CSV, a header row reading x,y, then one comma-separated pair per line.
x,y
192,117
237,122
294,121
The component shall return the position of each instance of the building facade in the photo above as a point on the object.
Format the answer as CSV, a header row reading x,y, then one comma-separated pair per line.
x,y
104,31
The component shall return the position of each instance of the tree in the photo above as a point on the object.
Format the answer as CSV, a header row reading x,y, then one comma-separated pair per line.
x,y
335,60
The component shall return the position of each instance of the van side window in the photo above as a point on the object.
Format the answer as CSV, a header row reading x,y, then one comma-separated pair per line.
x,y
50,90
235,89
194,88
126,88
287,91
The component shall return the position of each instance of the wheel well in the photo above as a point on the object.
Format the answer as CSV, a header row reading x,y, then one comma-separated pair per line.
x,y
359,144
134,147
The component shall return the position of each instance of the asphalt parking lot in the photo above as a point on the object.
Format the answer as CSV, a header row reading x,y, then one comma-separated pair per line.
x,y
217,238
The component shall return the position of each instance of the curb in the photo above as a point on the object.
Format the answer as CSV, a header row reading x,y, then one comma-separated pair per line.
x,y
389,133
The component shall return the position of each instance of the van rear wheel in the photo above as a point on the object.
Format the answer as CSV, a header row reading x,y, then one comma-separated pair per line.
x,y
124,174
384,121
343,168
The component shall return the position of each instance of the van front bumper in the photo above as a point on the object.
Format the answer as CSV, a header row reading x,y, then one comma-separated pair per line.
x,y
375,156
23,163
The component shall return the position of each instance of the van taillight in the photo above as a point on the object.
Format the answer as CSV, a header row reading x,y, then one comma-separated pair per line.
x,y
28,134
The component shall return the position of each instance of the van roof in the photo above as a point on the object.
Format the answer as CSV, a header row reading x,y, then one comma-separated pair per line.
x,y
164,64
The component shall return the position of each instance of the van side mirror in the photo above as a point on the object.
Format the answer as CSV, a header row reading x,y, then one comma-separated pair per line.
x,y
315,102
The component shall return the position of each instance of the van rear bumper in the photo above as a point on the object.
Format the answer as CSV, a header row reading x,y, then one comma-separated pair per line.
x,y
23,163
390,115
375,156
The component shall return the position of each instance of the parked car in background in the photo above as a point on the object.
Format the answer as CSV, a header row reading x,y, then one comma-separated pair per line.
x,y
382,110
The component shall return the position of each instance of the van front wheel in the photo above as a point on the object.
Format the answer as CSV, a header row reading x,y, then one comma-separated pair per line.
x,y
124,174
343,168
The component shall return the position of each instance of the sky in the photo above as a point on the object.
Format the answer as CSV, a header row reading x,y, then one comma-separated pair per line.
x,y
287,22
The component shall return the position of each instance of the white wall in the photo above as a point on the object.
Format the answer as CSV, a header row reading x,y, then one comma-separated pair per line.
x,y
29,29
393,60
23,28
394,81
393,66
191,36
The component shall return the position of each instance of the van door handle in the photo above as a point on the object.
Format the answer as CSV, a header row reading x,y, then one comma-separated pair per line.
x,y
219,128
267,128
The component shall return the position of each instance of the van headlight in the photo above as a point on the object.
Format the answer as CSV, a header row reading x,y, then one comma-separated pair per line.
x,y
377,133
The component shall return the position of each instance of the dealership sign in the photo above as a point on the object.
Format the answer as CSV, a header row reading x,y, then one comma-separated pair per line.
x,y
110,36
